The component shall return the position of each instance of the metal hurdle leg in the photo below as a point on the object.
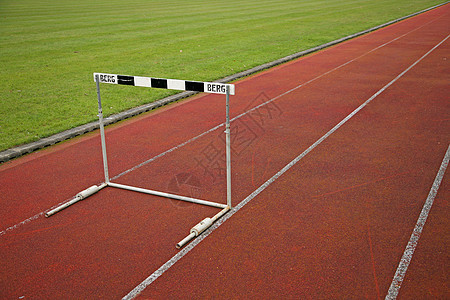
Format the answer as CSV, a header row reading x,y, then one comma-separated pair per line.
x,y
228,149
93,189
206,223
102,130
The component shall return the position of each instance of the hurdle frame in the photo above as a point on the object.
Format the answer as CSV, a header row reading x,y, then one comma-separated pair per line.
x,y
217,88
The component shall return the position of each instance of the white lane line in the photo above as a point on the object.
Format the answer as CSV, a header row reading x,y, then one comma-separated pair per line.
x,y
21,223
36,216
223,124
414,240
138,289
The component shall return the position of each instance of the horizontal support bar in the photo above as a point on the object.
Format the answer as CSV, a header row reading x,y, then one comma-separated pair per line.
x,y
163,83
166,195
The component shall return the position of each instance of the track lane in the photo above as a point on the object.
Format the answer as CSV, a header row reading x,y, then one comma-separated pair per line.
x,y
357,223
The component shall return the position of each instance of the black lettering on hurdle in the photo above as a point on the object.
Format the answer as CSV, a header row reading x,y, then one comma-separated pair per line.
x,y
107,79
216,88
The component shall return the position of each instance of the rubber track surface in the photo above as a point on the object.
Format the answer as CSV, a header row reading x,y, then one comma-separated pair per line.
x,y
335,225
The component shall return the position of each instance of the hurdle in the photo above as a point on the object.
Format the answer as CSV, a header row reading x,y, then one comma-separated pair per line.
x,y
174,84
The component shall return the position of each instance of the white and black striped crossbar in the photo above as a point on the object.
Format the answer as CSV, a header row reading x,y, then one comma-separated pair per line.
x,y
172,84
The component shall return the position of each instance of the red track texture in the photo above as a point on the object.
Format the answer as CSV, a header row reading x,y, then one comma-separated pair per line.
x,y
335,225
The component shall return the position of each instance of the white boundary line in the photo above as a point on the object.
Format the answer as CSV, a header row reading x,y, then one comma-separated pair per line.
x,y
222,124
137,290
414,240
22,223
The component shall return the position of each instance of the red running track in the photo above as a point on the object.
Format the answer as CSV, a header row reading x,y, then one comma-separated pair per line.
x,y
334,225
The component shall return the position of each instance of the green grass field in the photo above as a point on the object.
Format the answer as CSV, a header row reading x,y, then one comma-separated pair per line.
x,y
49,49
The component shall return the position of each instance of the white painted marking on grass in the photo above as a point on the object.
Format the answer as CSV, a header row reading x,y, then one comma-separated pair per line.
x,y
414,240
137,290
